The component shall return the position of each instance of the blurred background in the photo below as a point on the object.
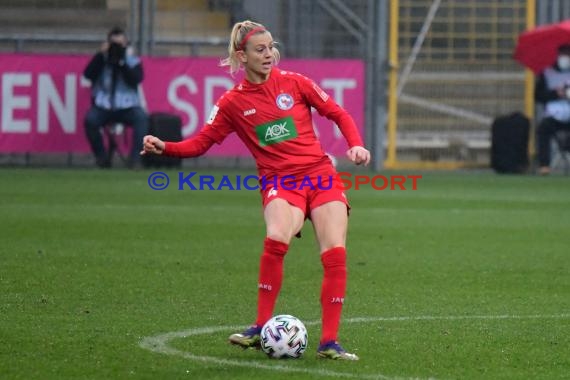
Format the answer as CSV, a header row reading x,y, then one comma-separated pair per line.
x,y
436,72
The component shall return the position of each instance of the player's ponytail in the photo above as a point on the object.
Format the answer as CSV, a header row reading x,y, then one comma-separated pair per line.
x,y
241,32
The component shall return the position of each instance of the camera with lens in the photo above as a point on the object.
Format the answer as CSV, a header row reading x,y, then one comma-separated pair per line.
x,y
116,53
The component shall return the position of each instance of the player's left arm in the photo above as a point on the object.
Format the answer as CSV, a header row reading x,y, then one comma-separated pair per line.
x,y
327,107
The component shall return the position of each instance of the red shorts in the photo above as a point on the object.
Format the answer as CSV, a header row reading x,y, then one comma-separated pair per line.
x,y
306,193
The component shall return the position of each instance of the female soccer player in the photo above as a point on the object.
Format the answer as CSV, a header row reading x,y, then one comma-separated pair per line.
x,y
270,110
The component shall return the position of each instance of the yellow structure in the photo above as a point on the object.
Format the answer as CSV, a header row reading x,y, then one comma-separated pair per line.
x,y
451,73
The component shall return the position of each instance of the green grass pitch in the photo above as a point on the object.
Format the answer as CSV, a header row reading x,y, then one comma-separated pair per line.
x,y
468,277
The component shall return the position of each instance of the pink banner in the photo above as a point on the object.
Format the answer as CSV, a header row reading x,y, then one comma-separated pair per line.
x,y
44,98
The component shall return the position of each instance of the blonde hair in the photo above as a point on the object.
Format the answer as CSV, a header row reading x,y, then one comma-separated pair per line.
x,y
239,37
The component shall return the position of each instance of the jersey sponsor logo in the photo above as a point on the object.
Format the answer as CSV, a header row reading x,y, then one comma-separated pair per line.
x,y
249,112
213,114
276,131
320,92
284,101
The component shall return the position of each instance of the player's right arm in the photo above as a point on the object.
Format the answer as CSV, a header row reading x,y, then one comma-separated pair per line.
x,y
192,147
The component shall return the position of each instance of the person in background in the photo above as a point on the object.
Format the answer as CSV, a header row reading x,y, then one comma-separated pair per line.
x,y
115,74
553,91
270,111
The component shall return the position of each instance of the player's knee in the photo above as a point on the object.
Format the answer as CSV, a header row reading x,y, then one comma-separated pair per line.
x,y
280,233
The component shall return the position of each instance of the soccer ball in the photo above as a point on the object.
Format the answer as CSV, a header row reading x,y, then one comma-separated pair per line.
x,y
284,336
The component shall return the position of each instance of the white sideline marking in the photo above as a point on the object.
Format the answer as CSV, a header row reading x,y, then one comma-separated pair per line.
x,y
159,343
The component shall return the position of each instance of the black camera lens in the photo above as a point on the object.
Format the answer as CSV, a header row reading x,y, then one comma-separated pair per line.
x,y
116,53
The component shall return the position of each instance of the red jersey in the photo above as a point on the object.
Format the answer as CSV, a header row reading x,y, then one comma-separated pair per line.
x,y
274,121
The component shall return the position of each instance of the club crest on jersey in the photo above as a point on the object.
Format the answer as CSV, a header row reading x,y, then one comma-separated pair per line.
x,y
284,101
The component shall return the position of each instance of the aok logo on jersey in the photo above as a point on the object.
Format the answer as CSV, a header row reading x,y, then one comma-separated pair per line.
x,y
276,131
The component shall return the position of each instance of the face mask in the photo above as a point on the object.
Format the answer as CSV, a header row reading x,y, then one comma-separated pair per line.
x,y
564,62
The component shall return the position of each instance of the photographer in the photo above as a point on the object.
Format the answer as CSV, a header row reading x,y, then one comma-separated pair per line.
x,y
115,73
552,90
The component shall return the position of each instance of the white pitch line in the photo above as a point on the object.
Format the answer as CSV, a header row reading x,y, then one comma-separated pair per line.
x,y
159,343
454,318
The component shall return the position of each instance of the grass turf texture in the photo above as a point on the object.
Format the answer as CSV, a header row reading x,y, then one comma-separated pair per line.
x,y
91,262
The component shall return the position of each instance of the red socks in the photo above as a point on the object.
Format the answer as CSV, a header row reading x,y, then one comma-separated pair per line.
x,y
332,291
270,278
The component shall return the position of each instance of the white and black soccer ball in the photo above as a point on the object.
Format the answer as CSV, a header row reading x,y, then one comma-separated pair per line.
x,y
284,336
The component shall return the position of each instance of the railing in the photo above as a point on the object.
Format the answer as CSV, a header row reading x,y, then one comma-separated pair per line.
x,y
193,43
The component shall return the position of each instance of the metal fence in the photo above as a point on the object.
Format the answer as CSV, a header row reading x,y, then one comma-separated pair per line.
x,y
455,74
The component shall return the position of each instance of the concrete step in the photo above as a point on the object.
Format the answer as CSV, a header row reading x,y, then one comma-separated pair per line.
x,y
51,4
190,5
56,20
181,22
457,90
87,48
484,107
119,4
185,51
